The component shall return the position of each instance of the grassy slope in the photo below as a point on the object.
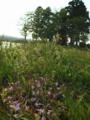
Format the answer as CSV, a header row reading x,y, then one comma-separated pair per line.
x,y
61,73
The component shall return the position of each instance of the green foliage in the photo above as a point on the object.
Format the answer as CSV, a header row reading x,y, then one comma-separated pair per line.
x,y
88,45
82,44
78,20
42,24
84,37
25,29
45,81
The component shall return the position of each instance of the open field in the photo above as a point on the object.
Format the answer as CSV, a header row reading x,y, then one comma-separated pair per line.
x,y
44,81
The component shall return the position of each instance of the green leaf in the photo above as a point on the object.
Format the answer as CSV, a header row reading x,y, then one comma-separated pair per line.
x,y
37,117
23,80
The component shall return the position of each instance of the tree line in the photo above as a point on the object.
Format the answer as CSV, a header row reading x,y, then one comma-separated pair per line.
x,y
72,20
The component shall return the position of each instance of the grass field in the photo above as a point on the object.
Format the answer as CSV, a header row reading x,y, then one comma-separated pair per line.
x,y
44,81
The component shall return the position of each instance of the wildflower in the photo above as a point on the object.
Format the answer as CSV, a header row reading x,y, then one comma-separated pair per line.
x,y
49,111
36,80
11,110
36,104
35,115
5,89
16,108
41,111
9,97
58,88
32,86
63,95
5,100
53,114
60,92
38,84
63,107
11,89
43,118
15,102
15,105
17,83
40,104
33,99
56,84
37,92
50,88
26,108
47,105
55,95
15,116
33,92
49,93
70,83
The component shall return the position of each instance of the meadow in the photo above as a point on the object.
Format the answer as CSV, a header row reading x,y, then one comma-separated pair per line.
x,y
44,81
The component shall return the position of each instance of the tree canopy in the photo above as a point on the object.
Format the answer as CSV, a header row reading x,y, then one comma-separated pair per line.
x,y
73,20
78,20
24,30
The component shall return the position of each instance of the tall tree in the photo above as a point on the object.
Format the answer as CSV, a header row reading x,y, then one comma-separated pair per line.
x,y
42,24
48,28
60,25
24,30
78,20
37,22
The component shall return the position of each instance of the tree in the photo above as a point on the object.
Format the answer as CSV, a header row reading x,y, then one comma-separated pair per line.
x,y
37,23
78,20
60,25
84,37
48,28
25,30
42,24
74,25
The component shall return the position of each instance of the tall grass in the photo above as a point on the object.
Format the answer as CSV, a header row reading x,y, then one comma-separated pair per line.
x,y
48,81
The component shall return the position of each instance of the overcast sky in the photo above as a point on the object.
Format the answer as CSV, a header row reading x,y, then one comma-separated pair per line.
x,y
12,10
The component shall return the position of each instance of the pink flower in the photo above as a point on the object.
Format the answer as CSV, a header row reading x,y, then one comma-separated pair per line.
x,y
9,98
56,83
54,114
36,104
49,111
15,116
41,111
11,89
49,93
55,95
37,92
15,105
43,118
27,108
38,84
17,83
33,99
16,108
33,93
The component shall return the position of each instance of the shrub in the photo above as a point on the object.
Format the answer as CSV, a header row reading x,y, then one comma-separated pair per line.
x,y
88,45
82,44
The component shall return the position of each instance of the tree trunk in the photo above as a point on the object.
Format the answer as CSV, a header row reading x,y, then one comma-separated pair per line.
x,y
25,37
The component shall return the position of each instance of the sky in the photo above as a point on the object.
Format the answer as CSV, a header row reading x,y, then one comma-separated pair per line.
x,y
12,10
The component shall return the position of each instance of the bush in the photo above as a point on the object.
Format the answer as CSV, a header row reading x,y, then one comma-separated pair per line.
x,y
82,44
88,45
